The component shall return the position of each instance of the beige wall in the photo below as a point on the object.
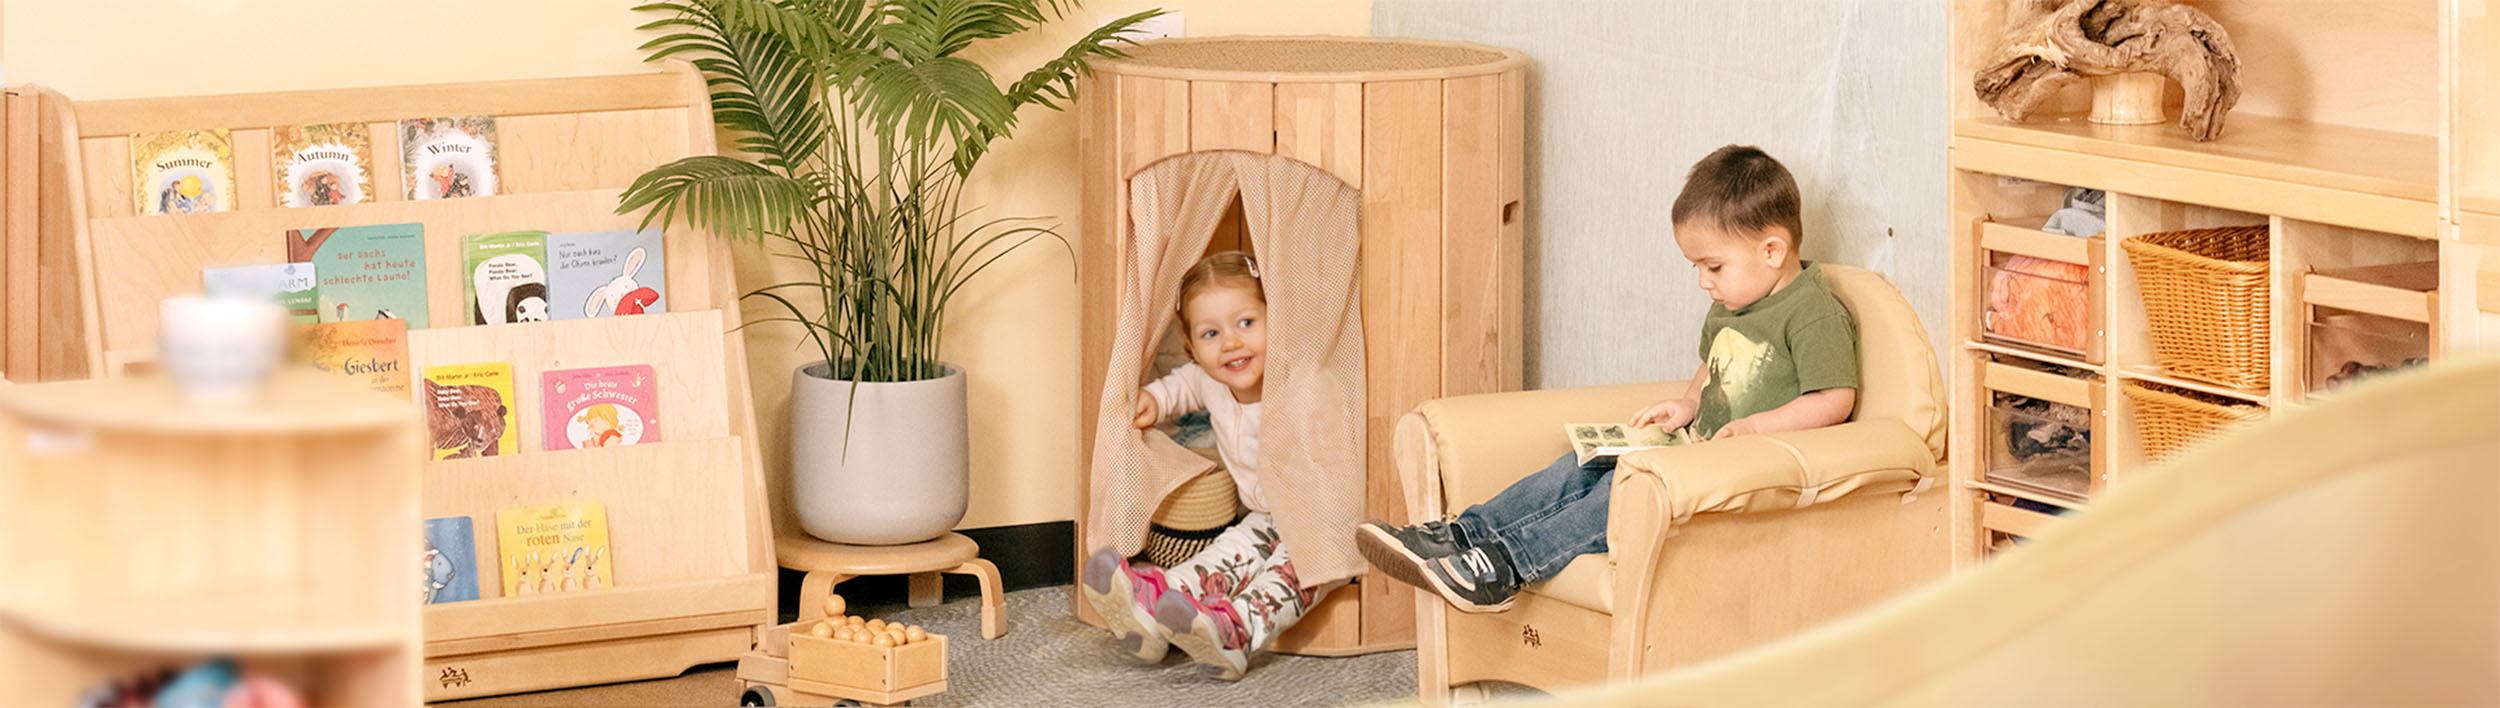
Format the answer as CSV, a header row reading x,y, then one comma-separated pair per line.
x,y
1014,330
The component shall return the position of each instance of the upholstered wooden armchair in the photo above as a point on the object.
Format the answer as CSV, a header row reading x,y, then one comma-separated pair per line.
x,y
1713,547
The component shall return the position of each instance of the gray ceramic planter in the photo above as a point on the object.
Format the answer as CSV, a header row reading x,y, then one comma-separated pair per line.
x,y
903,478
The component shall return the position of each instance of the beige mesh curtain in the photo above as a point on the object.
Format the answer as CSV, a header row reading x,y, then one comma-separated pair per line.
x,y
1303,226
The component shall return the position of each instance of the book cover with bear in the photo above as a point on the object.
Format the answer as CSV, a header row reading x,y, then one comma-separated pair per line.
x,y
469,410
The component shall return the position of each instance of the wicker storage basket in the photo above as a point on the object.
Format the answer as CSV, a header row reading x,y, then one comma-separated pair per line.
x,y
2205,299
2170,418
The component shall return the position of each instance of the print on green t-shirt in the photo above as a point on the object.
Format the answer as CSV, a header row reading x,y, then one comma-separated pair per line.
x,y
1789,343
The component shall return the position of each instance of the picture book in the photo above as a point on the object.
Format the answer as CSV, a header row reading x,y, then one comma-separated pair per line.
x,y
366,272
291,285
450,560
602,407
371,351
1598,444
469,410
182,171
448,158
606,273
552,549
507,277
321,164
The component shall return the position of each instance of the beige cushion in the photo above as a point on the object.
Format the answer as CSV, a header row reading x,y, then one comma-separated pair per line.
x,y
1588,582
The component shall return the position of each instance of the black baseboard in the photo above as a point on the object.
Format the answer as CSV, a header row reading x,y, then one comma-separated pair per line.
x,y
1027,556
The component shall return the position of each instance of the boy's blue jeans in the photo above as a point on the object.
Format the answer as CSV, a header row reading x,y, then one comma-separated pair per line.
x,y
1547,519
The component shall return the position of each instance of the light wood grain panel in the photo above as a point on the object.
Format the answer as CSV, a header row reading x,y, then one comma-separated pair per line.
x,y
1472,339
1511,271
68,328
2371,65
2381,300
1232,115
20,234
569,151
1402,289
1540,639
579,664
1154,121
1322,124
255,170
2475,105
2359,178
666,519
1333,626
107,161
683,348
1100,219
388,184
2039,384
385,103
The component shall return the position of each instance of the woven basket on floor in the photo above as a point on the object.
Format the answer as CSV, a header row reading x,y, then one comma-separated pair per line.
x,y
2169,418
2206,299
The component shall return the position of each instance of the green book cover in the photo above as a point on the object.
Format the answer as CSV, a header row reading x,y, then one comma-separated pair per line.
x,y
365,272
506,277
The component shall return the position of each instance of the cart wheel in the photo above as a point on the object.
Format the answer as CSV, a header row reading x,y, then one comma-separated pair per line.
x,y
757,696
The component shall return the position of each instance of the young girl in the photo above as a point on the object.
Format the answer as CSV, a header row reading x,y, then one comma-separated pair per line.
x,y
1236,596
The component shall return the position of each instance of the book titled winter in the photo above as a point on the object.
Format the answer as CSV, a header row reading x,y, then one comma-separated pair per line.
x,y
507,277
448,158
182,171
291,285
469,410
366,272
450,560
553,549
374,352
322,164
603,407
606,274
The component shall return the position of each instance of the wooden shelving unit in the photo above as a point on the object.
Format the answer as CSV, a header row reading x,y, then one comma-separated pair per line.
x,y
2367,143
143,533
689,529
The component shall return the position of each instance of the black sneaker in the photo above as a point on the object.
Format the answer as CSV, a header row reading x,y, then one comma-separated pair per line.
x,y
1476,580
1402,551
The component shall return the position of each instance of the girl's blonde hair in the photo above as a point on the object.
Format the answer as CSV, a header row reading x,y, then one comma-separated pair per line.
x,y
1224,269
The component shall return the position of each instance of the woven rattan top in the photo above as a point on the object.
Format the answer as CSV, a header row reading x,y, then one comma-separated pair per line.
x,y
1335,57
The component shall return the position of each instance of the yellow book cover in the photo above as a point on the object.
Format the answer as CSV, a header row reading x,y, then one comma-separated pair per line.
x,y
182,171
552,549
468,410
374,352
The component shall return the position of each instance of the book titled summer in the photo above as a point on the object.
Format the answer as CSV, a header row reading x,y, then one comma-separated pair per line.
x,y
606,274
450,560
603,407
366,272
507,277
448,158
1598,444
322,164
291,285
182,171
553,549
469,410
372,352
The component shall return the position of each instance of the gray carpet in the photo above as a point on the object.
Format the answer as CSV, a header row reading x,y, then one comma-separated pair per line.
x,y
1048,658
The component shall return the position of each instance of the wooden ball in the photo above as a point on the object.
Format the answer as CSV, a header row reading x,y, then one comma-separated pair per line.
x,y
915,633
877,625
821,629
834,605
856,620
884,640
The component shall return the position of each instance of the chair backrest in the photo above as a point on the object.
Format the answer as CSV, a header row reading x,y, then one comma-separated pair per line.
x,y
1896,366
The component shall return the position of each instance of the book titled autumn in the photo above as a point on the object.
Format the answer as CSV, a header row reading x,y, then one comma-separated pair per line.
x,y
553,549
373,352
366,272
469,410
603,407
182,171
448,158
322,164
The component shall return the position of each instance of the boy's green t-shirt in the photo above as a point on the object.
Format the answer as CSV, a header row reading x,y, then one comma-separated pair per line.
x,y
1792,342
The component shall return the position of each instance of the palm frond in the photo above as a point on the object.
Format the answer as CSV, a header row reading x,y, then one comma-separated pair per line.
x,y
932,102
724,195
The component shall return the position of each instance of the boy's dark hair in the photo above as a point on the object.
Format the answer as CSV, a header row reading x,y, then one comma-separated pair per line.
x,y
1740,188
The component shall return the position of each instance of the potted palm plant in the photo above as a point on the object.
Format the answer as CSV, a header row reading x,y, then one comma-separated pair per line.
x,y
857,122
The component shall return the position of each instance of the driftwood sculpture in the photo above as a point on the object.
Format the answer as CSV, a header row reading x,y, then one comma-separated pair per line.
x,y
2052,43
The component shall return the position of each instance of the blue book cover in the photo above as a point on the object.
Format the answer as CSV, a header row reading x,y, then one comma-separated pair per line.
x,y
606,274
366,272
450,560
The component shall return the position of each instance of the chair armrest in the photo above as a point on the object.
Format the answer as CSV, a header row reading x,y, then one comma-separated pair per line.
x,y
1782,470
1457,451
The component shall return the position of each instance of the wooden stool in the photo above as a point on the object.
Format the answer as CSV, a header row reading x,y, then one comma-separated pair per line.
x,y
828,564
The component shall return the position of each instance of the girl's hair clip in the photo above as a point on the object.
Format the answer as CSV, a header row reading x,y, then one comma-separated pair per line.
x,y
1253,263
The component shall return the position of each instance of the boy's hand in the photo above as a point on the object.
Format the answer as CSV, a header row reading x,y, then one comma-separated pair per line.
x,y
1148,413
1740,426
1670,414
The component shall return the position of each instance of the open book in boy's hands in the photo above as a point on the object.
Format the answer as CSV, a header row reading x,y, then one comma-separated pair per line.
x,y
1598,444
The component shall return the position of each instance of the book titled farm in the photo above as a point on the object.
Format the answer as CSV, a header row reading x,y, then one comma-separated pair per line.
x,y
450,560
448,158
365,272
553,549
606,274
469,410
373,352
322,164
603,407
182,171
507,277
291,285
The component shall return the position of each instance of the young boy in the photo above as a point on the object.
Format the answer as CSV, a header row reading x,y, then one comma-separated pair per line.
x,y
1778,354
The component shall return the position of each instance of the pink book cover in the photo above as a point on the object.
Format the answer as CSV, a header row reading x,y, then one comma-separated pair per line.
x,y
600,407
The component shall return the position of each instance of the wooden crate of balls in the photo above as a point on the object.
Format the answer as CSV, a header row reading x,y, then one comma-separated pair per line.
x,y
843,657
